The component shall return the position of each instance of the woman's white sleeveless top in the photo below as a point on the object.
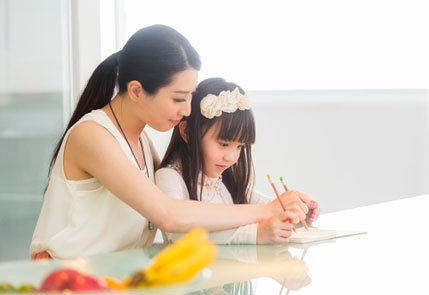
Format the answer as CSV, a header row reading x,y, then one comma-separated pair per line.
x,y
81,218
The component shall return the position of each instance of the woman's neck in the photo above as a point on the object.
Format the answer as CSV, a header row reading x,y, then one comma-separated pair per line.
x,y
128,121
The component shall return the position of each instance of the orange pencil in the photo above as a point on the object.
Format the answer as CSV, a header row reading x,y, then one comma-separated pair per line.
x,y
278,197
286,189
276,192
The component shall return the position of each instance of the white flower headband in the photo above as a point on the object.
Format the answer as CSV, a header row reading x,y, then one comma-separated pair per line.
x,y
227,101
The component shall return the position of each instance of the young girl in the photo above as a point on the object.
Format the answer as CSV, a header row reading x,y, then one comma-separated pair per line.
x,y
209,159
100,196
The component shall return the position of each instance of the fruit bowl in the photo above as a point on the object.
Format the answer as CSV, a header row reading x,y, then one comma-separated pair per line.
x,y
116,265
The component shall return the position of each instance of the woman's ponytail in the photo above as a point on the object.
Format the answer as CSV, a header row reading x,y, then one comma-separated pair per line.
x,y
99,89
97,93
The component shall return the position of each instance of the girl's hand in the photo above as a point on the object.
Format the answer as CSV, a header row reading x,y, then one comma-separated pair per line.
x,y
275,230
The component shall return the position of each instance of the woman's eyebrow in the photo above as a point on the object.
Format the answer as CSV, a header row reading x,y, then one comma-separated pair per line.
x,y
182,91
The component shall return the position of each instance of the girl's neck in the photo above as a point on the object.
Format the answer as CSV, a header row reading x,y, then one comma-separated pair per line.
x,y
130,123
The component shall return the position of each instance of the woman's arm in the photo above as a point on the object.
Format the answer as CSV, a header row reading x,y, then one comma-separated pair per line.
x,y
172,184
93,150
272,230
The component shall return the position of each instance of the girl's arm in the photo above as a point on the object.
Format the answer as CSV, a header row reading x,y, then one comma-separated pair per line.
x,y
91,149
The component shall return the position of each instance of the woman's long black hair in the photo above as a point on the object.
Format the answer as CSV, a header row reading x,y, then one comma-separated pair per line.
x,y
237,126
151,56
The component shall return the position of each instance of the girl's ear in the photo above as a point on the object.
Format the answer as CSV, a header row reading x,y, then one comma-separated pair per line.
x,y
182,130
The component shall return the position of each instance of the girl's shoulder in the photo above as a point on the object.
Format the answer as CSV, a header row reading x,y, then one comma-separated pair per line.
x,y
170,170
171,182
170,178
173,166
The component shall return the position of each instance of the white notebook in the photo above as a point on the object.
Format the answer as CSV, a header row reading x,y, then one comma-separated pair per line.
x,y
316,234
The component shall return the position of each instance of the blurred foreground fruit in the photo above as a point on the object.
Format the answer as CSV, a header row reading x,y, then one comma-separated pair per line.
x,y
113,283
70,279
6,287
179,262
9,288
26,288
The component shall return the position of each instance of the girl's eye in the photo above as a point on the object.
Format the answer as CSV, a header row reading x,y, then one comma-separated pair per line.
x,y
223,144
179,99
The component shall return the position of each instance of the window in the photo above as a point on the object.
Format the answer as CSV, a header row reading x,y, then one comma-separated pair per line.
x,y
283,45
34,102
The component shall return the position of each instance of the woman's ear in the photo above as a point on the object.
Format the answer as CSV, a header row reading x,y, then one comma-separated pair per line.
x,y
135,90
182,130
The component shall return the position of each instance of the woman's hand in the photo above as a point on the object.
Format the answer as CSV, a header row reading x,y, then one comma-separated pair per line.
x,y
295,197
295,203
275,230
313,212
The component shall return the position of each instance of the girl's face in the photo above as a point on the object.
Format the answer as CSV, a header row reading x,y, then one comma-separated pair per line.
x,y
218,154
171,103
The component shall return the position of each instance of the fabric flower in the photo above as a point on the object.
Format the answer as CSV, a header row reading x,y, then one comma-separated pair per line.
x,y
227,101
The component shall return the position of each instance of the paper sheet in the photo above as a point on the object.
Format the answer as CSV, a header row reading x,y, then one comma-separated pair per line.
x,y
316,234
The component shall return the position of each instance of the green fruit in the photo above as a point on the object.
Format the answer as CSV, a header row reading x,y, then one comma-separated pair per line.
x,y
6,287
26,288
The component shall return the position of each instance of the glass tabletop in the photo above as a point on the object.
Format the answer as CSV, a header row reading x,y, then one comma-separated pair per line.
x,y
391,258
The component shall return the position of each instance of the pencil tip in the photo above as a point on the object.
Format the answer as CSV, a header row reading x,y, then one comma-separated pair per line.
x,y
269,176
281,178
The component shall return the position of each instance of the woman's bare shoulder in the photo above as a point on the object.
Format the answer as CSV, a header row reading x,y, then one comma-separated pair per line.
x,y
88,133
89,141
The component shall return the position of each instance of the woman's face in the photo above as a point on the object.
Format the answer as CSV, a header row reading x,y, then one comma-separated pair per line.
x,y
171,103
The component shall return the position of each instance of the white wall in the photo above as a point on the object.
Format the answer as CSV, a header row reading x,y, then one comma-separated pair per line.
x,y
345,148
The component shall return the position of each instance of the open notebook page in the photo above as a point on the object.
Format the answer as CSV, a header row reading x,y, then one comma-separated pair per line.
x,y
316,234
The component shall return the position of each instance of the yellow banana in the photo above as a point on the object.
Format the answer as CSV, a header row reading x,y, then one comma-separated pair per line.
x,y
182,247
183,260
185,268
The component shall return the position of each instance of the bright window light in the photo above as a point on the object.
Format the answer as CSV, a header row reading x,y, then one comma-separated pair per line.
x,y
282,45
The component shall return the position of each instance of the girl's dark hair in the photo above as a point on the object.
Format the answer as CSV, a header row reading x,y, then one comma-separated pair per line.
x,y
236,126
151,56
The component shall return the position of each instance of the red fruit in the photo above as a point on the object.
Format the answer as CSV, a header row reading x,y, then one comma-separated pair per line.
x,y
70,279
86,283
58,280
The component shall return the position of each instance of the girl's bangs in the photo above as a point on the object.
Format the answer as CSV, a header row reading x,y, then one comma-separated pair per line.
x,y
238,126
